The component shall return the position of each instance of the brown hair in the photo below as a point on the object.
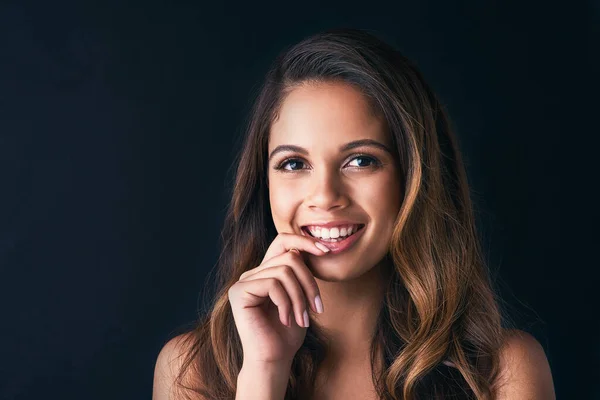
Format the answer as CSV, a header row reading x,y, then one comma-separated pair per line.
x,y
439,304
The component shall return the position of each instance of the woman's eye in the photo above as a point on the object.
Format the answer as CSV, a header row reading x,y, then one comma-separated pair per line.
x,y
291,162
370,160
361,161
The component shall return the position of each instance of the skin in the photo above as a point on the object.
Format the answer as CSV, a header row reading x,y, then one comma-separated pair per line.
x,y
327,185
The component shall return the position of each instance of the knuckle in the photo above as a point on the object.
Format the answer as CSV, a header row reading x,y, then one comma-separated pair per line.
x,y
281,236
293,257
288,271
273,283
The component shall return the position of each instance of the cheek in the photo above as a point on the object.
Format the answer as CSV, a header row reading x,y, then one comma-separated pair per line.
x,y
382,196
383,199
283,202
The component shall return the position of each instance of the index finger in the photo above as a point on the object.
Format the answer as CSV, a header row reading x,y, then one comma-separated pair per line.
x,y
286,241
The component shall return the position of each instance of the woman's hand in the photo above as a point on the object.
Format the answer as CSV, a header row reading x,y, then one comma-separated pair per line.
x,y
270,302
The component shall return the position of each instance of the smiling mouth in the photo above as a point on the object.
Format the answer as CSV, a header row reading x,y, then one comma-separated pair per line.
x,y
333,240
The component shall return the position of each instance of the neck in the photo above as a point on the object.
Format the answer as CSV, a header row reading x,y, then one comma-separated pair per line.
x,y
351,312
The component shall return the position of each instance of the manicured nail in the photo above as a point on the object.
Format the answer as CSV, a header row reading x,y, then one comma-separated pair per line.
x,y
306,320
318,304
321,246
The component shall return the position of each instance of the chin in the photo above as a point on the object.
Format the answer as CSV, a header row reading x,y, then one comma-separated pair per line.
x,y
333,271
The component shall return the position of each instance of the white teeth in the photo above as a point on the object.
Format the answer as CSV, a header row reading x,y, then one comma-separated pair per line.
x,y
333,233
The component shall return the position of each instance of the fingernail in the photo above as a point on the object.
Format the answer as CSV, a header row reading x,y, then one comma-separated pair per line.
x,y
318,304
321,246
306,320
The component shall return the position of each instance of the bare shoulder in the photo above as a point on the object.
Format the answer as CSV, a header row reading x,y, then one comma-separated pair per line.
x,y
524,369
168,365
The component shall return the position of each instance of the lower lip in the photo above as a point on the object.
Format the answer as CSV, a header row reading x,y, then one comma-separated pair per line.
x,y
338,247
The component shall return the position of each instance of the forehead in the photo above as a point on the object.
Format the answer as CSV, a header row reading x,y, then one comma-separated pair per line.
x,y
326,113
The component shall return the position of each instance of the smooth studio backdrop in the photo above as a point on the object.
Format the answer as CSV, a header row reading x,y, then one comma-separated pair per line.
x,y
118,127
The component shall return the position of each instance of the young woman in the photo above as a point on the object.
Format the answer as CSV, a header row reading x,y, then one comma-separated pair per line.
x,y
351,266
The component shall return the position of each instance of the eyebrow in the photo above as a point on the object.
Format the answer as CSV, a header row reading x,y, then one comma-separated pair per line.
x,y
348,146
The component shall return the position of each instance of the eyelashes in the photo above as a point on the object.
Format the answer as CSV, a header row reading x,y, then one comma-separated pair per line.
x,y
374,163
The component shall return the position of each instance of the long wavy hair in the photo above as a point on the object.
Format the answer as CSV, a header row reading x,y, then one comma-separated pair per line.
x,y
439,303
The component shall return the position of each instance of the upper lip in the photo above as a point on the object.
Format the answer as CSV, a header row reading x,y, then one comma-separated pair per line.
x,y
332,223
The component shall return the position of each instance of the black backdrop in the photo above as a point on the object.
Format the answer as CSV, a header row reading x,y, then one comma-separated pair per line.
x,y
118,127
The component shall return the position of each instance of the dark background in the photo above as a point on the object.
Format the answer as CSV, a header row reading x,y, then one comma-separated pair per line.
x,y
118,127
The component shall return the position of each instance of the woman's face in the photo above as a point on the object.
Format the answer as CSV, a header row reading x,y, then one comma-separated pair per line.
x,y
321,181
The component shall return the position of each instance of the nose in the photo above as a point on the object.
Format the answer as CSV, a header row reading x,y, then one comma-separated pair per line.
x,y
326,191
